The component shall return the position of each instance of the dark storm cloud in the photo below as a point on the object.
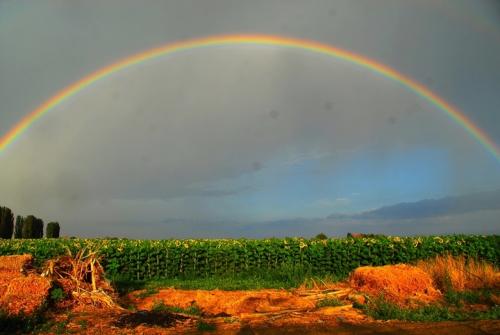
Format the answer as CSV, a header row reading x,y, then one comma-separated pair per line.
x,y
197,135
428,208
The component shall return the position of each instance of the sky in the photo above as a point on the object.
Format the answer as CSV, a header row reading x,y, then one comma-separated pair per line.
x,y
250,140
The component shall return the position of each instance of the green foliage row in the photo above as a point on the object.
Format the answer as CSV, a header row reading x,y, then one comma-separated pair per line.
x,y
148,259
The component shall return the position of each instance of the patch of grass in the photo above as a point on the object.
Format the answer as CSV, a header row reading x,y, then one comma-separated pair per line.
x,y
159,306
149,291
333,302
383,310
283,277
458,299
204,326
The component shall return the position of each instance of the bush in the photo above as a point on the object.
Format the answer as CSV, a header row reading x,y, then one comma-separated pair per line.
x,y
321,236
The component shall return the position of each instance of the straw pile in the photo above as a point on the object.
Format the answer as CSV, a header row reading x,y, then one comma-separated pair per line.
x,y
400,284
21,293
82,278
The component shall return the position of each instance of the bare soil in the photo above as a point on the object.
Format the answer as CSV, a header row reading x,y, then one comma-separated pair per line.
x,y
264,312
279,319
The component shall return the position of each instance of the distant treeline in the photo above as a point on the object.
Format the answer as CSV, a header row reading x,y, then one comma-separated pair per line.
x,y
25,227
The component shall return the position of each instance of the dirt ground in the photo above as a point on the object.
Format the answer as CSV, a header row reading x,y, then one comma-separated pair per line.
x,y
324,310
265,312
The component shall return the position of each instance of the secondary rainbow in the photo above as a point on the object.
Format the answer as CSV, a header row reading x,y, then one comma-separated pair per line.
x,y
454,113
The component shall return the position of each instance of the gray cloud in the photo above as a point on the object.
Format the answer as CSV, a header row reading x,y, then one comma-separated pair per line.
x,y
188,135
429,208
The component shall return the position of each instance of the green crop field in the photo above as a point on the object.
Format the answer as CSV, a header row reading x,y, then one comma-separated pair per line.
x,y
148,259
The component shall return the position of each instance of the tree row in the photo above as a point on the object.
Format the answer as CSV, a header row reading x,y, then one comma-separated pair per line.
x,y
25,227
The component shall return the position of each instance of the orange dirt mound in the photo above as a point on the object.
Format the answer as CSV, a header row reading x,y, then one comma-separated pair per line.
x,y
400,284
219,302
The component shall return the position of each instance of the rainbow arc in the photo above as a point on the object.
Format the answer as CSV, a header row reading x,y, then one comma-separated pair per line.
x,y
417,88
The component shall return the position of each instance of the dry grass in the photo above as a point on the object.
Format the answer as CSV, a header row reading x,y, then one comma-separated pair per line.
x,y
459,273
321,284
400,284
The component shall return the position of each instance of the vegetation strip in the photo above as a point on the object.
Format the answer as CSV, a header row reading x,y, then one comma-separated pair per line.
x,y
149,259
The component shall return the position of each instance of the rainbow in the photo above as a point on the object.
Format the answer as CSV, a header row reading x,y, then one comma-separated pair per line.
x,y
454,113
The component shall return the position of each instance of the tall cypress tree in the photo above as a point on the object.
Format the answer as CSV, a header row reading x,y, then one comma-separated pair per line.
x,y
38,228
28,227
6,222
32,227
52,230
19,227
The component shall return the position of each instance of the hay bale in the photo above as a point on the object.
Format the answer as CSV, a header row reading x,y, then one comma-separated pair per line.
x,y
12,267
400,284
16,263
25,294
